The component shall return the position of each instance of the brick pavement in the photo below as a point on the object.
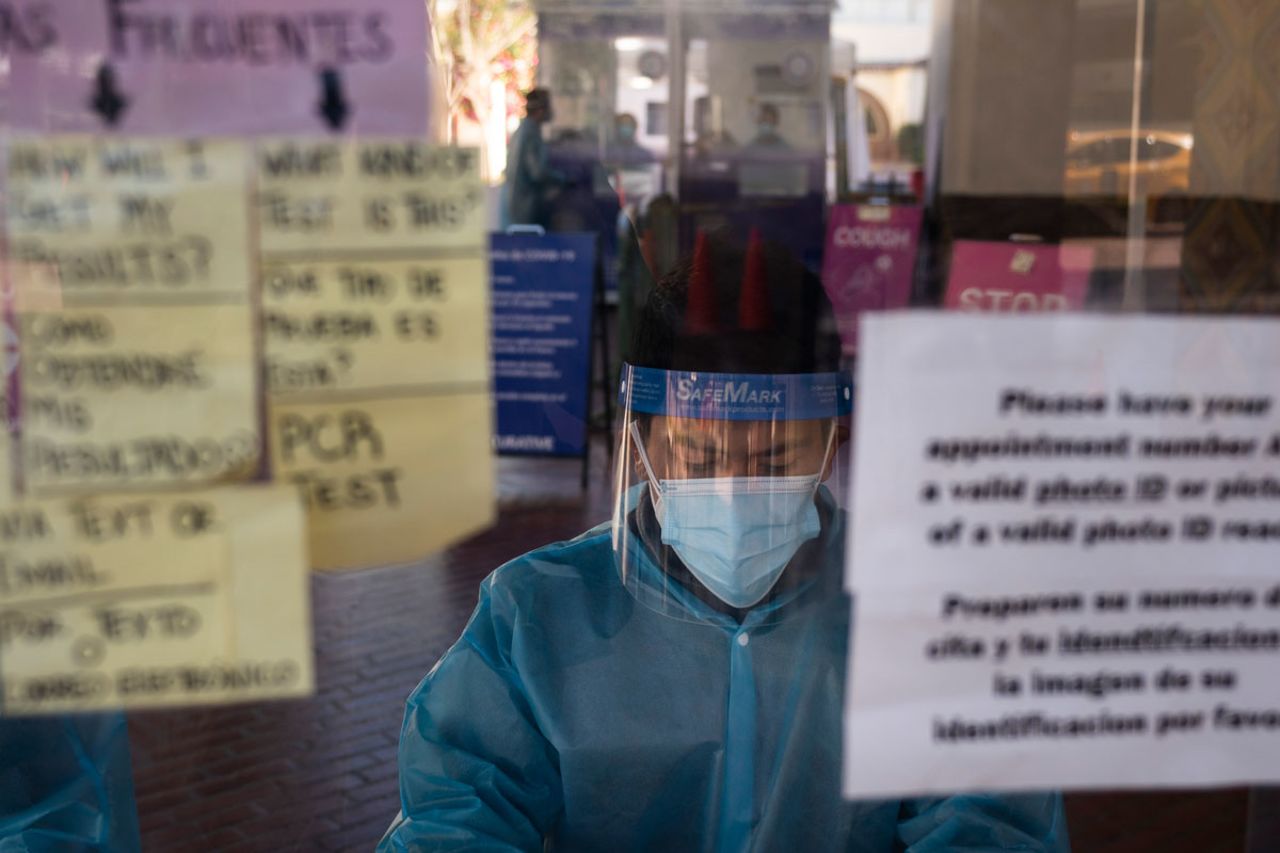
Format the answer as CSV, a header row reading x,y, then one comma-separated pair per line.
x,y
320,774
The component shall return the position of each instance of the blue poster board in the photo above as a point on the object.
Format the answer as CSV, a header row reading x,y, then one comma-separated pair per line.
x,y
542,300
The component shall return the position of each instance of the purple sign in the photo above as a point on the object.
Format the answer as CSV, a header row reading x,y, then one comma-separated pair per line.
x,y
869,262
216,67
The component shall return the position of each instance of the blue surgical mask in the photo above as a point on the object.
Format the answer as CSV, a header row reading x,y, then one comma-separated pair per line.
x,y
736,534
626,133
766,128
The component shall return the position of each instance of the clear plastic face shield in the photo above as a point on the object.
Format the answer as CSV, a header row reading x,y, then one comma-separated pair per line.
x,y
726,490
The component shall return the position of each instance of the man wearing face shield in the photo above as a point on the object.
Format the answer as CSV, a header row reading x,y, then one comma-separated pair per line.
x,y
673,680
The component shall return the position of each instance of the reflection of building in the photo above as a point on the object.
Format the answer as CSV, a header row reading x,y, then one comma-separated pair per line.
x,y
643,88
700,77
718,62
892,98
888,44
1150,127
884,31
1033,86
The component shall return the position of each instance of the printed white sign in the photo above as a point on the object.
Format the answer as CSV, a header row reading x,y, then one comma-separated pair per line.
x,y
1064,555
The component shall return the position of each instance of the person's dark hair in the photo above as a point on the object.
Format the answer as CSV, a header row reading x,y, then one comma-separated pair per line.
x,y
537,98
769,112
791,326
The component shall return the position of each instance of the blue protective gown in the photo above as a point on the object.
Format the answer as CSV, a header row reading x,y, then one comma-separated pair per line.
x,y
529,177
65,785
570,714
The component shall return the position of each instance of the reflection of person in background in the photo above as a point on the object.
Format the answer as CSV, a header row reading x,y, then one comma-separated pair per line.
x,y
767,136
530,181
573,156
710,137
624,149
637,177
584,200
635,689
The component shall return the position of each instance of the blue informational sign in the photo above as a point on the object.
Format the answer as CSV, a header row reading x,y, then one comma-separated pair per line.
x,y
542,300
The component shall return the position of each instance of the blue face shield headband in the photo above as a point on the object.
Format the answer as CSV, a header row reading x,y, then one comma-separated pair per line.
x,y
736,534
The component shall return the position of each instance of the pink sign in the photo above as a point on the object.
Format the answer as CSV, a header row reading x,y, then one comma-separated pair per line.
x,y
1018,276
215,67
869,261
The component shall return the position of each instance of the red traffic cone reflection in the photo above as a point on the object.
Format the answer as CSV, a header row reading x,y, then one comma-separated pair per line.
x,y
753,302
700,312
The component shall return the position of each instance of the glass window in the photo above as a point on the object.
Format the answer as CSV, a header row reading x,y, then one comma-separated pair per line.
x,y
313,321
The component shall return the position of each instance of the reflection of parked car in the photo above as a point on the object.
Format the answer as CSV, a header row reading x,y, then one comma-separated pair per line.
x,y
1098,163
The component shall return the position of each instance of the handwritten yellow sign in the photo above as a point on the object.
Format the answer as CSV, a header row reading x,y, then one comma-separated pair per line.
x,y
387,197
389,479
99,216
130,264
375,324
368,326
6,447
153,600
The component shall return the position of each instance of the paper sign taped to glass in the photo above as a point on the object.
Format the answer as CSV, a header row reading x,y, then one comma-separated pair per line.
x,y
375,308
154,600
129,265
1063,554
216,67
